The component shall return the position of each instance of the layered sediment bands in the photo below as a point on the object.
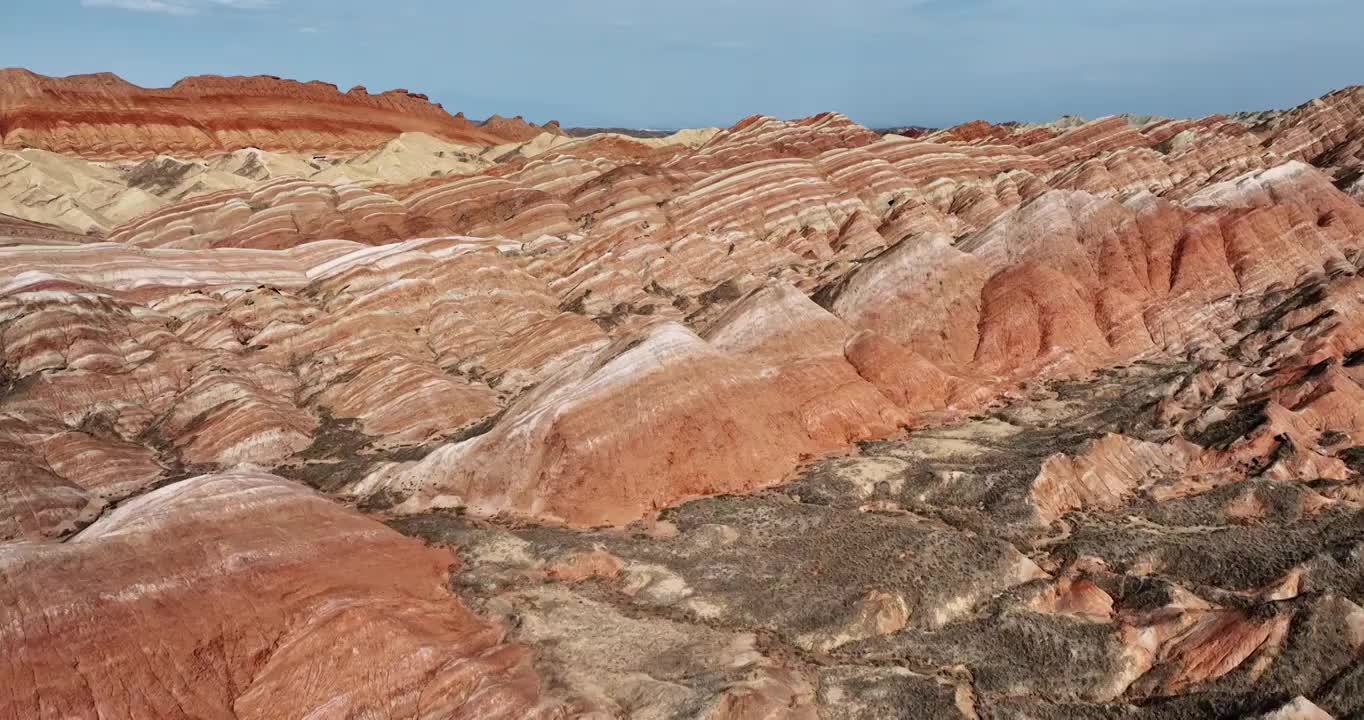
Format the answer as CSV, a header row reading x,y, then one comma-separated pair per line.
x,y
765,138
834,167
35,501
628,275
1078,279
735,423
104,116
257,577
980,132
18,231
1134,544
1328,132
656,396
278,214
210,365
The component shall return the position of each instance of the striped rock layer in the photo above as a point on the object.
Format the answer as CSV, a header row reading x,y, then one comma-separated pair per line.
x,y
657,396
104,116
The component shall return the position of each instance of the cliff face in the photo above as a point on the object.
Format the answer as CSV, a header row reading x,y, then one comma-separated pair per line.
x,y
104,116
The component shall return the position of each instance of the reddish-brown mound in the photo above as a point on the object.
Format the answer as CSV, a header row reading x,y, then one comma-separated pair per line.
x,y
517,129
223,596
104,116
982,132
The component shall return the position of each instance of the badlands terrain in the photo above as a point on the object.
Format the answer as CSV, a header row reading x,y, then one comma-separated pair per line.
x,y
333,405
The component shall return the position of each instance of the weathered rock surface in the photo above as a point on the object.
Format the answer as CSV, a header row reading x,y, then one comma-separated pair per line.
x,y
221,596
93,197
18,231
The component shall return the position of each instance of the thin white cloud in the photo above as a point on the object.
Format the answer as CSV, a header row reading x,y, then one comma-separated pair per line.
x,y
310,30
245,4
178,7
150,6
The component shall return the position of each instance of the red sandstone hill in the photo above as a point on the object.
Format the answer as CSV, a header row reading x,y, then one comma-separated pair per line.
x,y
517,129
104,116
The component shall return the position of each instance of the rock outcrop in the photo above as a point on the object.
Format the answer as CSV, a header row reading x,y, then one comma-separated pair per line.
x,y
103,116
517,129
221,597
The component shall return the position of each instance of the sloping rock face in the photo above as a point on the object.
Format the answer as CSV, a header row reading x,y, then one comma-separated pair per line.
x,y
17,231
45,187
790,421
104,116
92,197
1327,132
219,597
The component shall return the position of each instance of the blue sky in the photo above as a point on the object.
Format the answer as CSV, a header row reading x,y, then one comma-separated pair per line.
x,y
702,62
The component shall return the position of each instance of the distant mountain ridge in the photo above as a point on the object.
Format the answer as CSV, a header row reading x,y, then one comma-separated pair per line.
x,y
632,132
103,116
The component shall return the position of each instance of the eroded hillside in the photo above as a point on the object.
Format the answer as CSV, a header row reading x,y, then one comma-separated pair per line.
x,y
792,420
